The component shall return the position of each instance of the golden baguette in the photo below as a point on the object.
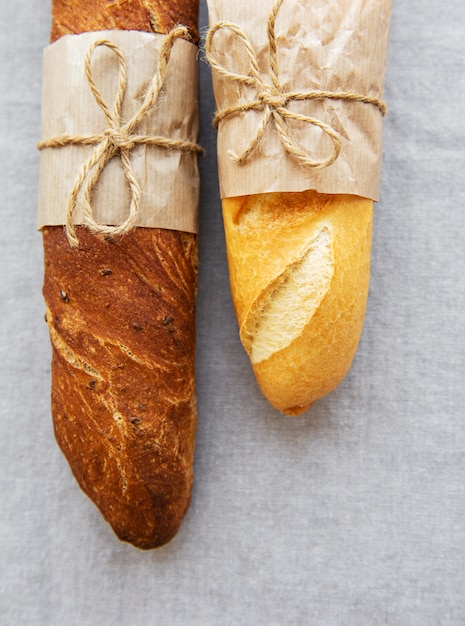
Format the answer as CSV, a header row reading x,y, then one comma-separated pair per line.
x,y
299,270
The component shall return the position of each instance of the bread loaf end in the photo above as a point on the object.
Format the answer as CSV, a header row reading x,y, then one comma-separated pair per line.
x,y
121,322
299,268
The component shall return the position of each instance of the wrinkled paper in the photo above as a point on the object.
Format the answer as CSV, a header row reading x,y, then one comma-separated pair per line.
x,y
330,45
168,178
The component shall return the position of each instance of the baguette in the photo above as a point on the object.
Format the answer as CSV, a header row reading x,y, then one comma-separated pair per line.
x,y
298,89
121,317
299,268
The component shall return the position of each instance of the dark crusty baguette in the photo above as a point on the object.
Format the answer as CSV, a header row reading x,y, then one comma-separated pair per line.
x,y
121,320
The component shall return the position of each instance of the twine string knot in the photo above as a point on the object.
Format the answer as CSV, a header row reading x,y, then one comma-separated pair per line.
x,y
272,99
117,139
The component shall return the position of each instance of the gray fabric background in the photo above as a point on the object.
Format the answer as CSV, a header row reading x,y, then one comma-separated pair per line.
x,y
352,514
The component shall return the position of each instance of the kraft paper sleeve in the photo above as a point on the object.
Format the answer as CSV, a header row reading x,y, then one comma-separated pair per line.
x,y
328,45
168,177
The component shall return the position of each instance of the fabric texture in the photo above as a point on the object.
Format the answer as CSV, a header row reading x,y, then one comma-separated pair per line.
x,y
351,514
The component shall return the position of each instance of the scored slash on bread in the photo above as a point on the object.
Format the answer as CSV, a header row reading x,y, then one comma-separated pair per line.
x,y
294,296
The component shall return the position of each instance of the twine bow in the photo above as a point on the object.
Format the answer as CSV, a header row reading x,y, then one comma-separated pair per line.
x,y
118,138
273,99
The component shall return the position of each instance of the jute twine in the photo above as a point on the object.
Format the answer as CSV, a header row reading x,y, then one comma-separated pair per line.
x,y
273,99
117,139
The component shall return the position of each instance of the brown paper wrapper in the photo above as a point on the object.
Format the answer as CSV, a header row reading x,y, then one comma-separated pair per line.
x,y
169,178
328,45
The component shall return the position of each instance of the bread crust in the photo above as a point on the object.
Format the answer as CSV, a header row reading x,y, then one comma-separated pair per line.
x,y
158,16
121,316
267,236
